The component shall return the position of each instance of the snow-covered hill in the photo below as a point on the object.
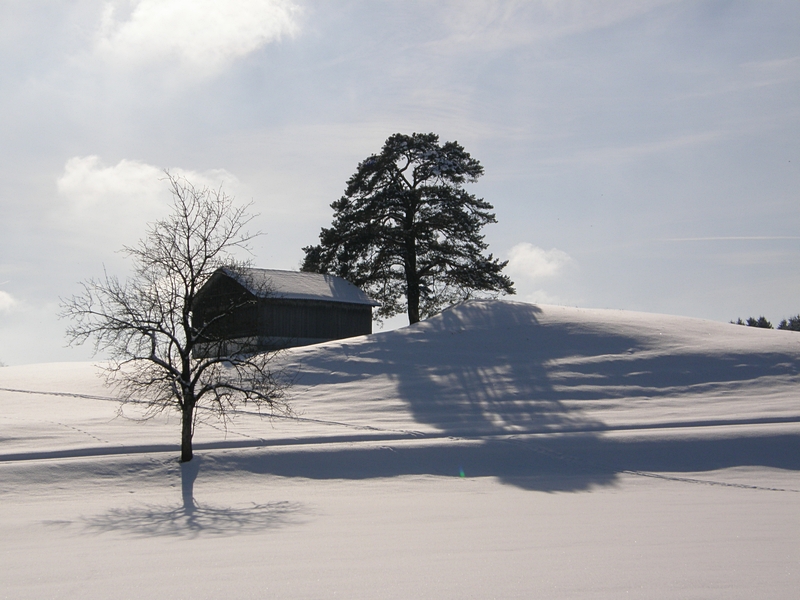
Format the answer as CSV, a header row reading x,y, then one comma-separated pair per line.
x,y
422,463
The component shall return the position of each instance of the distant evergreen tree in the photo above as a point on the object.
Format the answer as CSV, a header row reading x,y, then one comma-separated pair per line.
x,y
792,324
408,233
753,322
760,322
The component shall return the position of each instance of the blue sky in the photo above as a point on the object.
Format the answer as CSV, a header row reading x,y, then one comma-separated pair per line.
x,y
640,155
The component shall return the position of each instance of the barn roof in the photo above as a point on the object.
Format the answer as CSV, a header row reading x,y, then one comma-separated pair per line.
x,y
295,285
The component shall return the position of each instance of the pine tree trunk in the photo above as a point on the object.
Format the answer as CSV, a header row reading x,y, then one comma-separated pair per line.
x,y
412,278
187,415
413,304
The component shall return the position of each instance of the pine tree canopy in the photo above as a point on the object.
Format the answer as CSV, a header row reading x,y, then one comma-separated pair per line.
x,y
792,323
408,233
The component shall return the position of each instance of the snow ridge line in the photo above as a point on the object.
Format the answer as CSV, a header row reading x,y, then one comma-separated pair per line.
x,y
411,432
220,445
159,448
395,435
68,394
235,411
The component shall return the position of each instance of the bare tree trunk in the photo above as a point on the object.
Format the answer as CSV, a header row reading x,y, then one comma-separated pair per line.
x,y
188,475
187,415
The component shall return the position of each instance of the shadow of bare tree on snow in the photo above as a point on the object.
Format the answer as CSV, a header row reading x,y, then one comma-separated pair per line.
x,y
192,519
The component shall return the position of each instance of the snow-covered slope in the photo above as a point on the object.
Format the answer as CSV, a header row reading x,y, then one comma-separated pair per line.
x,y
422,462
481,368
502,367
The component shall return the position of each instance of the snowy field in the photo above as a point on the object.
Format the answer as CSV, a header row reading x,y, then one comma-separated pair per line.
x,y
499,450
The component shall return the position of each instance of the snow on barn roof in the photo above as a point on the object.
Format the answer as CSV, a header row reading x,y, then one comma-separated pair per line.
x,y
296,285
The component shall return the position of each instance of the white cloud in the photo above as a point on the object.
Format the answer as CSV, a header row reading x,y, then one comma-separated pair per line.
x,y
111,205
529,262
87,185
531,267
7,301
202,34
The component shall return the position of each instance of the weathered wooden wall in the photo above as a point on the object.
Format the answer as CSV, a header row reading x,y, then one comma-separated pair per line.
x,y
271,323
226,293
312,319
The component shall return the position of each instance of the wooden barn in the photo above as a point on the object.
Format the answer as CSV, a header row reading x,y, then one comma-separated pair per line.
x,y
254,310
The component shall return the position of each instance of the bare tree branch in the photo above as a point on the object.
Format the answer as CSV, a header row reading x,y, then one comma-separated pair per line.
x,y
145,325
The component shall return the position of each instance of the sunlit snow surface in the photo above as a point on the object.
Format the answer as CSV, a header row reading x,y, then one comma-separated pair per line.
x,y
499,450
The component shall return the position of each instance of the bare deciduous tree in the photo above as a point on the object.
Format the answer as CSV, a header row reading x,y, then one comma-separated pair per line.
x,y
145,324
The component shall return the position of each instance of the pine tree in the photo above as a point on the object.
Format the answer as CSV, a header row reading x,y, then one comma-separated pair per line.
x,y
408,233
759,322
